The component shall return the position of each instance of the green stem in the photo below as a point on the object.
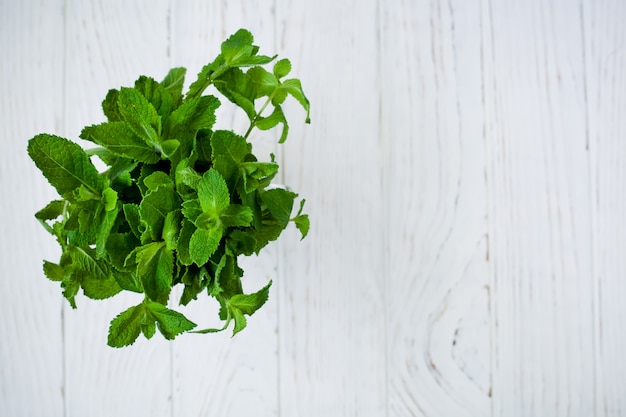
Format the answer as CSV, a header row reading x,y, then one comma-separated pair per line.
x,y
256,116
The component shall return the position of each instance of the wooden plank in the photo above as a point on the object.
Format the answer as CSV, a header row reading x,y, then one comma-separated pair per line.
x,y
332,305
539,209
31,346
436,215
605,62
111,43
216,375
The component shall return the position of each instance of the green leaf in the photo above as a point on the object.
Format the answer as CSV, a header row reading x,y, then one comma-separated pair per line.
x,y
53,271
184,238
240,321
264,82
249,303
148,329
204,78
170,323
120,172
237,216
140,115
228,151
195,280
125,328
228,276
133,218
241,304
238,50
302,221
53,210
171,227
118,247
104,224
238,88
111,108
257,174
191,209
213,193
120,139
93,274
282,68
173,82
280,204
185,122
277,116
157,179
294,88
160,98
186,175
154,208
240,242
204,243
155,268
64,164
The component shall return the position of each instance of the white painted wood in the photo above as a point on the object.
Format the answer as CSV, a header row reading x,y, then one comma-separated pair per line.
x,y
332,306
214,374
110,44
31,349
464,174
540,237
605,59
436,213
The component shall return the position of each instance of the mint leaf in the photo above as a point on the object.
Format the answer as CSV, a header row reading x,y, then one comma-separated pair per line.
x,y
64,164
213,193
173,82
294,88
238,88
110,107
184,238
264,82
241,304
140,115
249,303
171,227
282,68
277,116
228,151
185,122
157,95
154,208
120,139
53,271
204,243
170,323
155,268
280,204
125,328
238,50
236,215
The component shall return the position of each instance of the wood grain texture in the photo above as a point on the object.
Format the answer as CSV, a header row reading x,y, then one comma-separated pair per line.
x,y
605,59
464,172
214,374
109,44
31,349
332,308
540,238
437,271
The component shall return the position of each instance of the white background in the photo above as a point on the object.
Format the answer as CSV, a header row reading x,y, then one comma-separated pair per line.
x,y
465,174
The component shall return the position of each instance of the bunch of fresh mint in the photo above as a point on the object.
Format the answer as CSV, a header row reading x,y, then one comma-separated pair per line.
x,y
178,202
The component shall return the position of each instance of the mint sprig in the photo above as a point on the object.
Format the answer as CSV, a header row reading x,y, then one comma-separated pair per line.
x,y
178,202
